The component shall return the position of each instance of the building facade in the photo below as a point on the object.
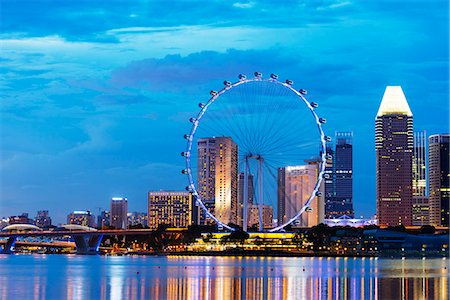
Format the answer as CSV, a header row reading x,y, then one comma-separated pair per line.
x,y
339,186
21,219
170,208
218,178
439,179
250,197
103,219
119,213
420,205
81,217
137,218
267,216
43,219
394,147
295,185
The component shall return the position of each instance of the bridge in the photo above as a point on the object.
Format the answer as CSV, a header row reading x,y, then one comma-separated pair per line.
x,y
87,240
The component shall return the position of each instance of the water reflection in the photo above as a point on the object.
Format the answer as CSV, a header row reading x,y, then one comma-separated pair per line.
x,y
94,277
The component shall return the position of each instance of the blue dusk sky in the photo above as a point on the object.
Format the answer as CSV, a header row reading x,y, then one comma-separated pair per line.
x,y
96,95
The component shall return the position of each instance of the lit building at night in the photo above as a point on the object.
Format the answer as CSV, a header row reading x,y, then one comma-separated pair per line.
x,y
394,151
420,204
81,217
137,218
439,179
170,208
253,216
218,178
339,185
103,219
21,219
43,219
295,185
250,197
119,212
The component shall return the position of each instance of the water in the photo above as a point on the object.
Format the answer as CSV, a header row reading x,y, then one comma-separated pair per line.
x,y
176,277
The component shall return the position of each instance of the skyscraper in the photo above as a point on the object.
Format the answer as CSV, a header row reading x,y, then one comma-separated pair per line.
x,y
295,185
240,220
170,208
419,186
439,179
394,146
339,186
118,213
218,178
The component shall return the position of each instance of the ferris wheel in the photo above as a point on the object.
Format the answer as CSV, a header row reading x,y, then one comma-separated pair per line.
x,y
240,143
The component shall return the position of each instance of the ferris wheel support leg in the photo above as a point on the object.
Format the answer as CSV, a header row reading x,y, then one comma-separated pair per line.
x,y
260,195
245,210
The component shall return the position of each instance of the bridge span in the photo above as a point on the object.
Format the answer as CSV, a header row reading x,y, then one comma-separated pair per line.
x,y
87,241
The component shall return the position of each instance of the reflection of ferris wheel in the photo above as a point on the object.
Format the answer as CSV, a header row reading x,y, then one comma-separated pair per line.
x,y
269,123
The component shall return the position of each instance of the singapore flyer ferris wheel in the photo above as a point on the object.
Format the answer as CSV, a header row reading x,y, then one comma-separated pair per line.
x,y
256,152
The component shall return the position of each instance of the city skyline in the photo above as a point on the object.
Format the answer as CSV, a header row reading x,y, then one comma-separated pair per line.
x,y
94,112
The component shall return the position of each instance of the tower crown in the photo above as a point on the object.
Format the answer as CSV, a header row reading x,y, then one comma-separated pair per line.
x,y
394,102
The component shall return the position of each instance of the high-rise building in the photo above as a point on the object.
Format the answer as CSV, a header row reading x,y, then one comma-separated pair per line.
x,y
339,186
394,147
43,219
253,216
295,185
240,220
118,213
439,179
420,204
103,219
170,208
419,164
81,217
218,178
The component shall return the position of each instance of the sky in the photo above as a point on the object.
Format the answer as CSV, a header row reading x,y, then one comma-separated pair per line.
x,y
95,95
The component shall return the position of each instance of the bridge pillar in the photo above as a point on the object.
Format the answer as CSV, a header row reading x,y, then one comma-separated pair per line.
x,y
88,243
8,247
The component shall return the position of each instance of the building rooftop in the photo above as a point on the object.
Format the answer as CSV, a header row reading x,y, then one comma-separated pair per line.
x,y
394,102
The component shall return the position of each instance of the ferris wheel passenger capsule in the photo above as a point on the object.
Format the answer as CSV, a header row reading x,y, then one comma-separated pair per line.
x,y
319,194
303,92
242,77
322,120
184,171
213,93
327,138
273,76
290,82
326,176
226,83
314,105
201,105
185,154
308,209
187,136
188,188
192,120
258,74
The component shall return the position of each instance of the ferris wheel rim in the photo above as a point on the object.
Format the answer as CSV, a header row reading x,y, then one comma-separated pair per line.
x,y
203,109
